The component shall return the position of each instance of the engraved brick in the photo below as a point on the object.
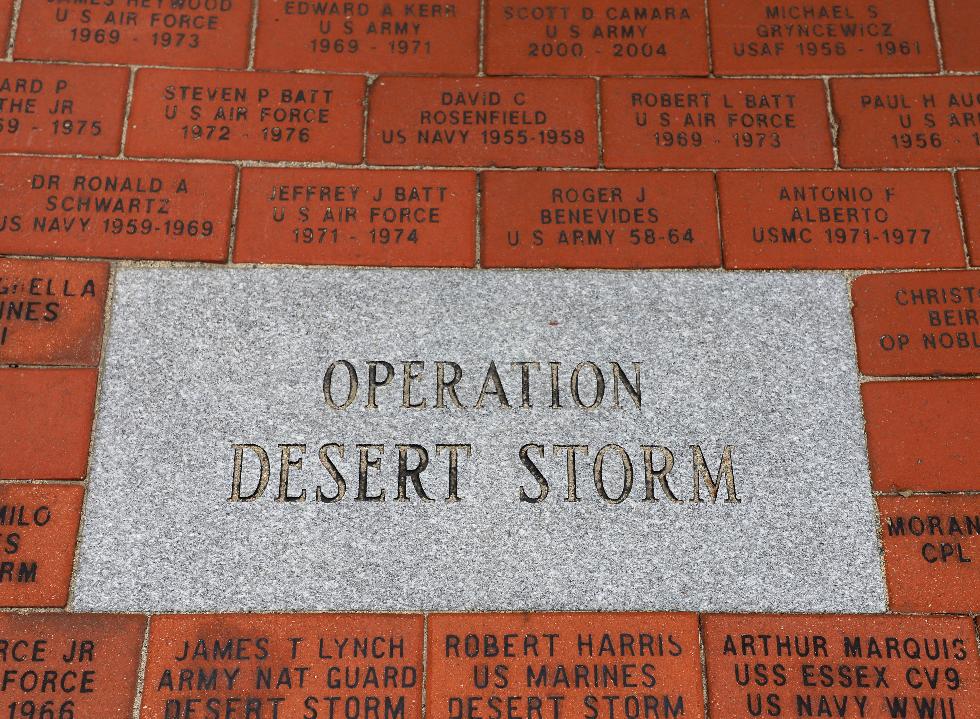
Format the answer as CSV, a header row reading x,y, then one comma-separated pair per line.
x,y
923,435
607,219
38,531
932,554
51,312
550,664
200,34
839,220
757,37
907,121
115,208
434,38
969,186
46,422
357,217
841,666
83,666
918,323
604,37
486,122
285,665
61,109
246,115
958,22
715,123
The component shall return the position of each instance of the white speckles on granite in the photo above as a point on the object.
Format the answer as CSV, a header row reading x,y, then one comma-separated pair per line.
x,y
199,359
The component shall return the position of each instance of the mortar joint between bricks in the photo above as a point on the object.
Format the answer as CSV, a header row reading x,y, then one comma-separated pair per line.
x,y
961,216
253,34
14,23
142,669
937,36
707,32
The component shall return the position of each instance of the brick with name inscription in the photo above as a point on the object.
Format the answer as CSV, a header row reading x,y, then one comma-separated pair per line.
x,y
189,33
958,22
115,208
46,422
599,37
51,311
385,218
932,554
411,37
918,323
839,220
606,220
756,37
856,667
514,122
715,123
564,665
969,186
923,435
247,116
38,531
908,121
77,666
318,666
61,109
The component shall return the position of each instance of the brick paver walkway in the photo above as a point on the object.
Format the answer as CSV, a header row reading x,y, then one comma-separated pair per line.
x,y
767,135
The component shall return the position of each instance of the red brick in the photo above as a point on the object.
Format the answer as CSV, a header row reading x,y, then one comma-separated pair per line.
x,y
96,681
839,220
923,435
6,15
530,122
152,210
715,123
246,116
969,185
62,109
958,23
51,312
550,219
799,665
46,422
575,39
885,122
38,543
659,653
932,554
893,36
446,43
305,657
141,33
918,323
385,218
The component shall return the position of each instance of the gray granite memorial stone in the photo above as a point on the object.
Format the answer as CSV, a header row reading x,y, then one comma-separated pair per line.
x,y
334,439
